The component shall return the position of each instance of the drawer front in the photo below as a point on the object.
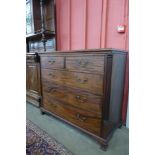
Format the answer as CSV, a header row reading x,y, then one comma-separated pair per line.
x,y
86,63
81,118
89,82
52,62
77,98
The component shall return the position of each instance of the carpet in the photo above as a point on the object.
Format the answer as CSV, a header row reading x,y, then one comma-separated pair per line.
x,y
38,142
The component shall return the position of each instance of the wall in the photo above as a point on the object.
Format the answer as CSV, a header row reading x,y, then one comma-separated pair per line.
x,y
87,24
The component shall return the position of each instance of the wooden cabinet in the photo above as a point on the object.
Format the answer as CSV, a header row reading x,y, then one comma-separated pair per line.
x,y
40,26
33,89
84,89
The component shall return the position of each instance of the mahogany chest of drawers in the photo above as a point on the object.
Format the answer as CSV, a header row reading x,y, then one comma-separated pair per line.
x,y
84,89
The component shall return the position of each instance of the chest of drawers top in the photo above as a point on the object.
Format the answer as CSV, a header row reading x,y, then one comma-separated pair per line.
x,y
81,61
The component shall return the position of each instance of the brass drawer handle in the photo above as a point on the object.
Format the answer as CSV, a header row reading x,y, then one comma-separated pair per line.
x,y
52,89
80,117
52,75
82,63
82,81
81,99
51,62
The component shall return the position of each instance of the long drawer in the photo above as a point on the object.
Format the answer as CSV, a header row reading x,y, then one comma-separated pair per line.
x,y
89,82
84,119
85,63
75,97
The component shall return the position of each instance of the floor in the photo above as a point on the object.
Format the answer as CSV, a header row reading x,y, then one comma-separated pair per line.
x,y
74,140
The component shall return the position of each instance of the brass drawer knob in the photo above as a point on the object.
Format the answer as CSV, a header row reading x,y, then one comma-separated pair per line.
x,y
51,62
52,89
52,75
81,99
80,117
82,63
82,81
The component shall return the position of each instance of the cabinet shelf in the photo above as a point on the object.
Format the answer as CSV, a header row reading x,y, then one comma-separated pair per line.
x,y
36,36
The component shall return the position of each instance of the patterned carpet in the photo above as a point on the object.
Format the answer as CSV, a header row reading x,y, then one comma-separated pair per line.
x,y
39,142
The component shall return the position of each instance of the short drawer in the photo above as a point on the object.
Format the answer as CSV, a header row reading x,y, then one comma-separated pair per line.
x,y
89,82
84,119
75,97
86,63
52,62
